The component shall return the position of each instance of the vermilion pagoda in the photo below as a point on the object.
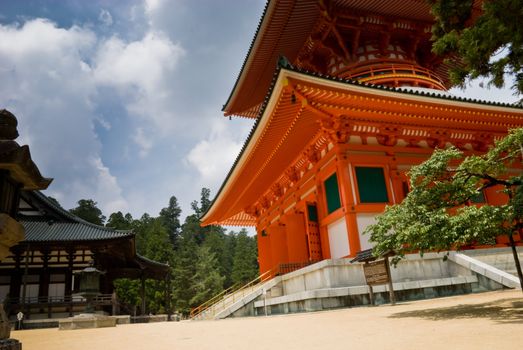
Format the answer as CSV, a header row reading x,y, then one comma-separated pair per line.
x,y
347,96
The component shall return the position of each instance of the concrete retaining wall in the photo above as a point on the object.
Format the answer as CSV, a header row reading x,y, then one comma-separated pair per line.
x,y
338,283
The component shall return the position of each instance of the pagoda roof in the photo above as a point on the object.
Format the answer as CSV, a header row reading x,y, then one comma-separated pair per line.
x,y
283,30
284,128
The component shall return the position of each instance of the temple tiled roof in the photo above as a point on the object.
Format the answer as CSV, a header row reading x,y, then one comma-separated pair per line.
x,y
53,223
40,231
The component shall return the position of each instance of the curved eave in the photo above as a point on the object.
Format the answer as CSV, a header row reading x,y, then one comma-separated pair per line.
x,y
280,133
284,28
151,268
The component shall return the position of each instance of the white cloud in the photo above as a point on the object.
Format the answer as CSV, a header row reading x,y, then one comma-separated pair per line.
x,y
104,114
102,187
143,142
152,5
104,123
47,86
105,17
142,71
214,156
140,63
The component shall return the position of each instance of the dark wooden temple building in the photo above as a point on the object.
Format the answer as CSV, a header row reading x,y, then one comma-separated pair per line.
x,y
39,276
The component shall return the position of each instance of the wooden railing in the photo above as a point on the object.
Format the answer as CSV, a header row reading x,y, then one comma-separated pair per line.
x,y
102,299
53,304
290,267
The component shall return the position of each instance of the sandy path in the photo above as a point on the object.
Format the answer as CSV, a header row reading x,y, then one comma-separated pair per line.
x,y
491,320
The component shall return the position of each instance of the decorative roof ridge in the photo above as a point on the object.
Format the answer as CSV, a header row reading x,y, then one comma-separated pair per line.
x,y
64,213
257,32
403,90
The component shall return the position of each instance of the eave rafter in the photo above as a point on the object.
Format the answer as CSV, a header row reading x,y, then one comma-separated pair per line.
x,y
372,108
335,111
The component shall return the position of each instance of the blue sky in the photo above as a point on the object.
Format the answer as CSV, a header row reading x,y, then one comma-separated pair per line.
x,y
120,101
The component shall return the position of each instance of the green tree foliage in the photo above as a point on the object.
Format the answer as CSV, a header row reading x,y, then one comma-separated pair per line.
x,y
491,46
438,213
192,222
170,217
207,279
183,272
202,259
245,261
88,211
141,229
119,221
220,245
128,292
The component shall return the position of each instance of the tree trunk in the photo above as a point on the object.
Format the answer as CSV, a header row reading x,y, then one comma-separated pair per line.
x,y
516,259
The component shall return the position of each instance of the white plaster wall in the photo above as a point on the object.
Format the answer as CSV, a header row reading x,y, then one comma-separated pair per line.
x,y
363,221
30,292
56,289
338,239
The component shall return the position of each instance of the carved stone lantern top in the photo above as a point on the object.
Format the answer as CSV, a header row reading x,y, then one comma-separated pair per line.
x,y
16,159
8,124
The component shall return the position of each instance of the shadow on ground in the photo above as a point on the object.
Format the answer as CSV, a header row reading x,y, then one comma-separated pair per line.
x,y
502,311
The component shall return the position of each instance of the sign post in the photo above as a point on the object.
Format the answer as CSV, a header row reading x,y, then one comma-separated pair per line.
x,y
376,272
391,289
20,317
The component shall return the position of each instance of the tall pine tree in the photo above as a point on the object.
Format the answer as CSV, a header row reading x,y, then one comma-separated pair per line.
x,y
207,280
245,261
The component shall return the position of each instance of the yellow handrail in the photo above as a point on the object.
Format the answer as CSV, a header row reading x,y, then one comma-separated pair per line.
x,y
230,292
200,308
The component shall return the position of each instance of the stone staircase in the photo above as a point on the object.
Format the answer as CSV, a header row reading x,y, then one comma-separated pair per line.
x,y
500,258
232,299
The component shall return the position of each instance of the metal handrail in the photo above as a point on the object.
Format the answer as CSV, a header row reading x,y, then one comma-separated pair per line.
x,y
232,294
229,298
204,306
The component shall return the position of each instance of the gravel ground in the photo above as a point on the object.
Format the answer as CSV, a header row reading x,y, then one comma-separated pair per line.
x,y
492,320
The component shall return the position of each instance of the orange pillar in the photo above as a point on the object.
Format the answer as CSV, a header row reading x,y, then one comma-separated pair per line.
x,y
264,251
347,201
279,251
296,238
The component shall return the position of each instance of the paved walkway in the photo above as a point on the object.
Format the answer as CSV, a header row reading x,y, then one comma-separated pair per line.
x,y
491,320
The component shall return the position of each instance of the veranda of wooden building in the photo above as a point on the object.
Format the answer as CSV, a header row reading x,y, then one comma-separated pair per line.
x,y
357,99
39,277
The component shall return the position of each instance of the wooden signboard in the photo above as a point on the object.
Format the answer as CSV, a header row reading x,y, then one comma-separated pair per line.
x,y
376,272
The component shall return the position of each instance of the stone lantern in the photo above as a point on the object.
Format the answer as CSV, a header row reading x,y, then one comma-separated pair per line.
x,y
17,172
89,286
89,289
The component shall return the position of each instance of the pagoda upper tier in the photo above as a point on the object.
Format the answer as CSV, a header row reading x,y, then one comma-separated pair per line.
x,y
373,41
